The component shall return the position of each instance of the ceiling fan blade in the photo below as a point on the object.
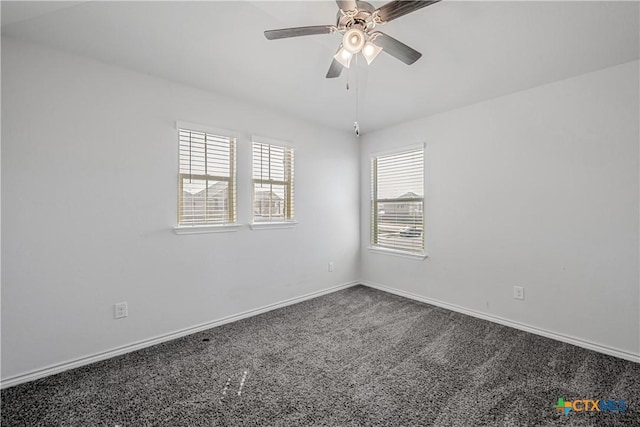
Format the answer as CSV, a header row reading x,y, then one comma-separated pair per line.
x,y
347,4
396,48
284,33
397,8
334,69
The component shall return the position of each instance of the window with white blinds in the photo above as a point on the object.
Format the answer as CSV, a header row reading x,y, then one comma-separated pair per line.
x,y
273,185
397,201
207,179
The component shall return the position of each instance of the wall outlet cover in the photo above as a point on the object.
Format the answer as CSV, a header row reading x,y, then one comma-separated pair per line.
x,y
121,310
518,292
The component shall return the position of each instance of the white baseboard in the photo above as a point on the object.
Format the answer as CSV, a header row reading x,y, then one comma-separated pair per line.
x,y
622,354
75,363
86,360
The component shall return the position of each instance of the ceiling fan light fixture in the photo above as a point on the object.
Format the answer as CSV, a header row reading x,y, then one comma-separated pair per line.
x,y
370,51
353,40
343,57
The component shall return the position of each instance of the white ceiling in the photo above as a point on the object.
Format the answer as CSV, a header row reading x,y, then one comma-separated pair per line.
x,y
472,51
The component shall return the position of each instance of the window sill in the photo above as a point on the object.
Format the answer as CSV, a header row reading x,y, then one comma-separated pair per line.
x,y
199,229
402,254
270,225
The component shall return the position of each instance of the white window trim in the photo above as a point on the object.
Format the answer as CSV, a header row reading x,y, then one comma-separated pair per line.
x,y
210,228
269,224
272,225
272,141
201,229
208,129
396,252
399,150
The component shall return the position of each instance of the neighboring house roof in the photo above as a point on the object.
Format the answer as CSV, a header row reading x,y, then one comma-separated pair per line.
x,y
266,195
409,195
219,187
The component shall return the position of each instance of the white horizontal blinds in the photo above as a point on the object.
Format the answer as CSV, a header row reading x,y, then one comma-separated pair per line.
x,y
207,193
397,195
273,184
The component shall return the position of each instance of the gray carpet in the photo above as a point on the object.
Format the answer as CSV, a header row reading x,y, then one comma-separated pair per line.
x,y
357,357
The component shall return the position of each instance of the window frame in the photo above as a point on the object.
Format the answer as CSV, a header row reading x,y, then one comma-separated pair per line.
x,y
374,246
289,219
231,221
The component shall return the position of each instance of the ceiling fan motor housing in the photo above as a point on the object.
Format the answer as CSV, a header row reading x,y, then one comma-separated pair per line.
x,y
359,18
356,21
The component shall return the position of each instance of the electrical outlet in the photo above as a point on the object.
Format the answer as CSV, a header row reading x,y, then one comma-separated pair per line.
x,y
331,267
518,292
121,310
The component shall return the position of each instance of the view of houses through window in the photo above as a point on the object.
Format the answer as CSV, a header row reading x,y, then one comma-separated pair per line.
x,y
207,179
207,182
397,201
273,189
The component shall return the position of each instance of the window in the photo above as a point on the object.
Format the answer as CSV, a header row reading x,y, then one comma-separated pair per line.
x,y
397,201
273,189
207,180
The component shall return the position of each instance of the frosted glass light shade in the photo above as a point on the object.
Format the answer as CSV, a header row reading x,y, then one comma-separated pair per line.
x,y
343,57
370,51
353,40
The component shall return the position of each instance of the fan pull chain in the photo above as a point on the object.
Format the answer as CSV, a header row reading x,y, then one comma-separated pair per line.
x,y
348,78
356,72
356,125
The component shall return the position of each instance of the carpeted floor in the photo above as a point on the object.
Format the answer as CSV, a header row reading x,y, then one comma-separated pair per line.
x,y
358,357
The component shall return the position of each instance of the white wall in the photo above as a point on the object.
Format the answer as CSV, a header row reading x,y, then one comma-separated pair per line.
x,y
537,189
89,192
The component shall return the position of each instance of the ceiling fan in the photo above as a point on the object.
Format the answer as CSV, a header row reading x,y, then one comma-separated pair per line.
x,y
356,21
